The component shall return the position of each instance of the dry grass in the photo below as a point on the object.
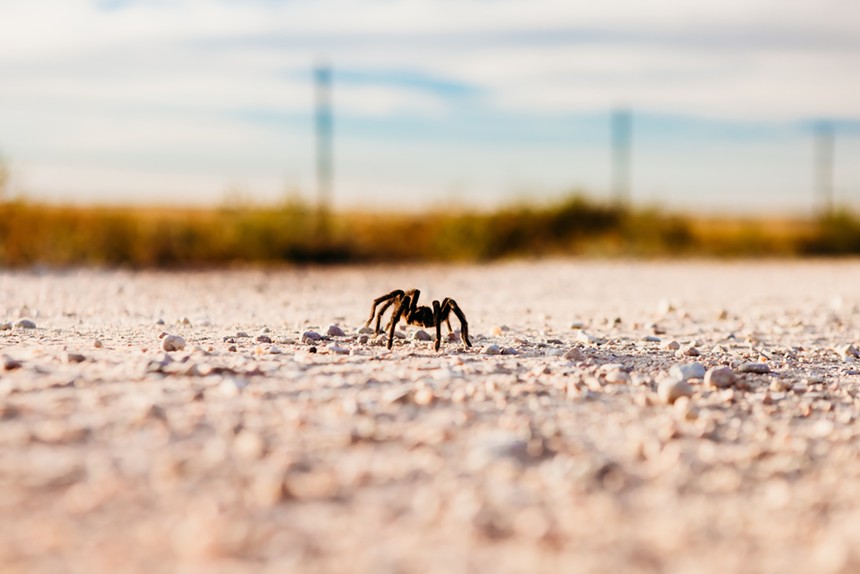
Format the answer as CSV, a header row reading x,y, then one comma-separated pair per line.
x,y
33,233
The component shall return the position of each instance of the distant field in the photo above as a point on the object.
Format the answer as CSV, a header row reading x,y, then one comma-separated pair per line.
x,y
43,234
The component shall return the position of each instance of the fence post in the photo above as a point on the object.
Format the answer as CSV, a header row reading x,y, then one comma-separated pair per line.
x,y
823,165
324,151
621,156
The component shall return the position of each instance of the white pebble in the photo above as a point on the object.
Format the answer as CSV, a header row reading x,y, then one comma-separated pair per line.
x,y
173,343
664,307
670,390
491,350
720,377
337,349
617,377
848,352
672,345
687,371
585,338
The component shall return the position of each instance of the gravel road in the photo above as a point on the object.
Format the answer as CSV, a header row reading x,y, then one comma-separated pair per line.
x,y
622,416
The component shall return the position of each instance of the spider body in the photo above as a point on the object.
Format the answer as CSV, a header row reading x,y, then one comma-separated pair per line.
x,y
405,306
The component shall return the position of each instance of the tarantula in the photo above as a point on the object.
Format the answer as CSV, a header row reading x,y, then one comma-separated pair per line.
x,y
405,305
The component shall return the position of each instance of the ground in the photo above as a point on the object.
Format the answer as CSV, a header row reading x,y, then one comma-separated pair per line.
x,y
554,445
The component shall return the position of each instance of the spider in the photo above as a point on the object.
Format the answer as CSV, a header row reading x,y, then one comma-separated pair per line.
x,y
406,306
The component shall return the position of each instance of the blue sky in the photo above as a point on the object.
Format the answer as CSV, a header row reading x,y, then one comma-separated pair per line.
x,y
436,101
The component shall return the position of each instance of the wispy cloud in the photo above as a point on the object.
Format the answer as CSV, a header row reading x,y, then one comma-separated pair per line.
x,y
153,85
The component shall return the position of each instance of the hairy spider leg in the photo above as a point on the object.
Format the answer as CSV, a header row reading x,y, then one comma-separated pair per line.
x,y
446,316
402,306
437,320
413,295
387,300
449,305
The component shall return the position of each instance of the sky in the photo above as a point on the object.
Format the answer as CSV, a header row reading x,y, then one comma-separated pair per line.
x,y
436,102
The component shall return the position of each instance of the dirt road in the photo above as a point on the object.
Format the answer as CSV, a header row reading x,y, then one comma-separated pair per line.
x,y
611,417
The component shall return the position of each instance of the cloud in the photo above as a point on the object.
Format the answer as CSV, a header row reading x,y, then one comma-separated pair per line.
x,y
155,84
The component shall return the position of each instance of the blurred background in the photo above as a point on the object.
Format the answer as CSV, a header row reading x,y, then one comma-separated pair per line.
x,y
154,132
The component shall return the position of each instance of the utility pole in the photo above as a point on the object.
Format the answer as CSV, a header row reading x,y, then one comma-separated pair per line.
x,y
825,139
325,145
622,127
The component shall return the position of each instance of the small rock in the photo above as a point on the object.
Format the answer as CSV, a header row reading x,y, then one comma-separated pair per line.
x,y
5,326
670,390
585,338
510,351
25,324
242,335
365,331
574,354
263,339
688,371
690,351
848,351
185,321
665,306
310,337
73,357
98,344
231,349
491,350
335,331
337,349
617,377
232,386
10,364
720,377
539,370
577,325
757,368
651,339
363,339
671,345
422,335
173,343
249,445
423,397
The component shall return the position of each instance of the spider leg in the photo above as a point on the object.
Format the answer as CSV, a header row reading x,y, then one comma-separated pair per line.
x,y
413,294
464,326
382,311
447,317
387,300
402,306
437,320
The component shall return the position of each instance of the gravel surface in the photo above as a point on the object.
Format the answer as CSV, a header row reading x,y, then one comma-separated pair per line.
x,y
611,417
